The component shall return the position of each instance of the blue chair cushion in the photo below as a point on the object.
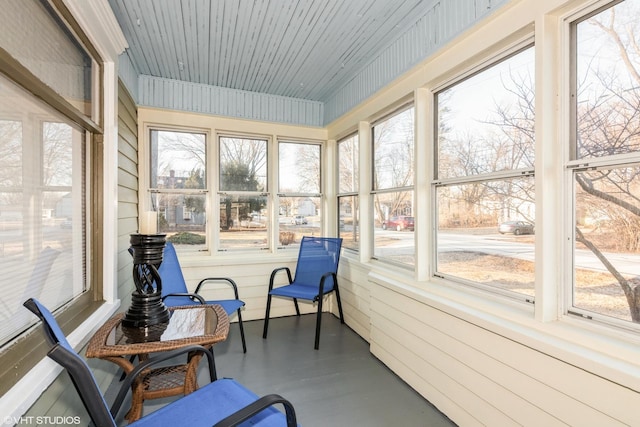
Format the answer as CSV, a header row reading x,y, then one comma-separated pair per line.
x,y
229,305
171,273
297,291
173,282
214,401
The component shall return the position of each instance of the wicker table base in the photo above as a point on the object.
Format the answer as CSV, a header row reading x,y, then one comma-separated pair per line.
x,y
203,325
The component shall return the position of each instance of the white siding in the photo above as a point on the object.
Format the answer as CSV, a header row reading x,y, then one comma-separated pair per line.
x,y
478,377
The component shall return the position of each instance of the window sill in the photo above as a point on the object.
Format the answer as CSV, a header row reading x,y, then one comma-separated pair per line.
x,y
229,259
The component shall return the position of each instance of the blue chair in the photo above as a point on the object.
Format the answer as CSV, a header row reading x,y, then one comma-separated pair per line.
x,y
315,277
222,402
175,292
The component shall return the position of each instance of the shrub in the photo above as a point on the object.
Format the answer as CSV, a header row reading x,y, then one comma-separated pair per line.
x,y
186,238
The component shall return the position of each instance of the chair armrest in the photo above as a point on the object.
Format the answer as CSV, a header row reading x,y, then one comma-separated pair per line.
x,y
258,406
219,279
193,296
160,357
276,271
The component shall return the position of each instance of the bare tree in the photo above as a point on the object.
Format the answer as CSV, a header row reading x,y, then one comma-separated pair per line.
x,y
248,154
502,141
348,169
242,169
11,153
57,154
394,163
180,152
299,167
609,124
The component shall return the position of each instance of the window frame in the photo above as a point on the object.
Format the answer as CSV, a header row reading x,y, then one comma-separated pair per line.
x,y
374,192
353,193
150,203
436,182
74,313
215,174
573,165
279,194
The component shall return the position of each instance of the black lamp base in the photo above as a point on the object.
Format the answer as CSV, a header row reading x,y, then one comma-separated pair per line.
x,y
145,310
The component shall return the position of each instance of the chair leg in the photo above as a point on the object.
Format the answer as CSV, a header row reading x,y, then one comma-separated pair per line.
x,y
295,302
266,317
339,302
212,368
318,322
244,344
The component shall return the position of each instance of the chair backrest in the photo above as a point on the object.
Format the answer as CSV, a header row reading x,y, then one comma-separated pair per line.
x,y
172,278
80,373
317,256
52,330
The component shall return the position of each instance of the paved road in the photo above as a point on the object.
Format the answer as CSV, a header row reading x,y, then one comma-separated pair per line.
x,y
506,245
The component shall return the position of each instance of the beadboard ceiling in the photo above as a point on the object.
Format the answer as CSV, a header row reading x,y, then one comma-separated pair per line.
x,y
304,49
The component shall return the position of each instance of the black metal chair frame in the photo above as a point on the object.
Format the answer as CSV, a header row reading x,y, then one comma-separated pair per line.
x,y
316,299
93,400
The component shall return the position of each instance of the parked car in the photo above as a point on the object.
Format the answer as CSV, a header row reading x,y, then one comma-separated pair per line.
x,y
516,227
298,219
399,223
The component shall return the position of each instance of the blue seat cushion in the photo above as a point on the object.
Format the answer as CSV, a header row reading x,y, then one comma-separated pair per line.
x,y
230,305
171,301
298,291
210,404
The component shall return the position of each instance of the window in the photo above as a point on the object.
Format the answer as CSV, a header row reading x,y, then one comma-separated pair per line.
x,y
348,175
605,165
49,118
299,192
178,187
41,207
52,54
393,195
244,204
243,194
484,184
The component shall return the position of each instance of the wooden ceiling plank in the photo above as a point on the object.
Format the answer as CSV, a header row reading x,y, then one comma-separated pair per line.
x,y
255,28
147,28
266,46
169,20
401,14
277,18
229,25
142,58
293,81
215,40
240,40
200,15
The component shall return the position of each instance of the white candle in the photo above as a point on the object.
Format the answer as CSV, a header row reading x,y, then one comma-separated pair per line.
x,y
149,223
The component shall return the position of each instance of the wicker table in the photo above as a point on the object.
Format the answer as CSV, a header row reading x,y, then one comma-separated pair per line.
x,y
188,325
